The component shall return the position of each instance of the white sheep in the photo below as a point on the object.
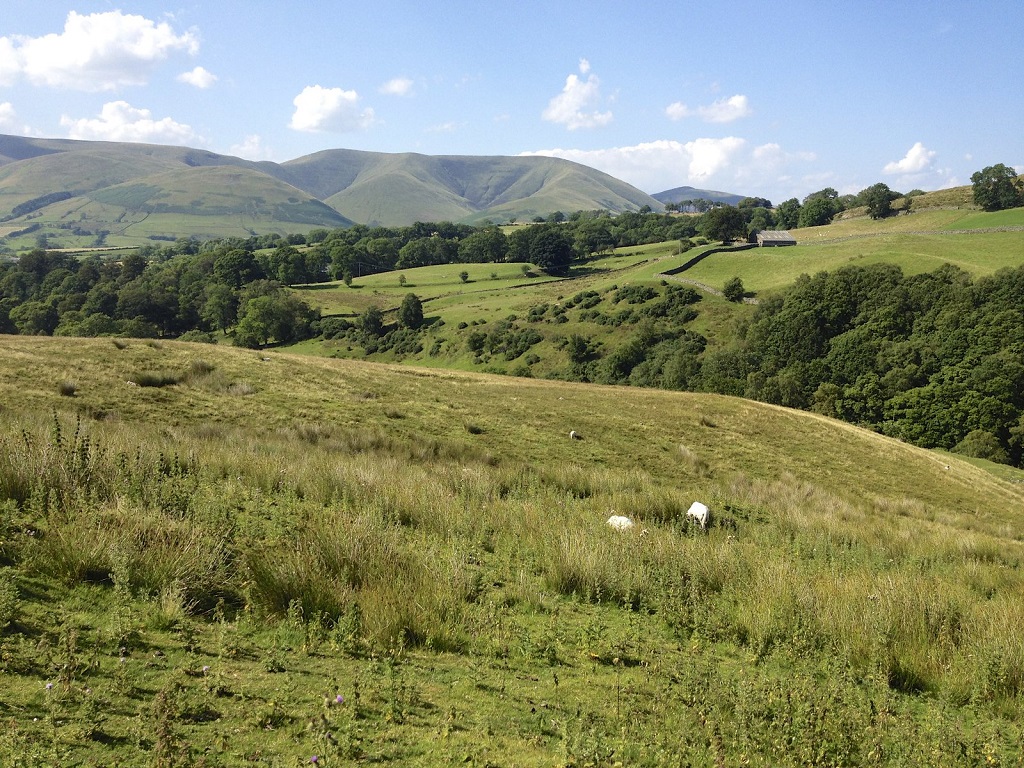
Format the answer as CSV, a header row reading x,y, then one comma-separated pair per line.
x,y
620,523
699,513
574,435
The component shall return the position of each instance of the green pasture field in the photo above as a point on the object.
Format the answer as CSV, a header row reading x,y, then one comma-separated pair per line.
x,y
438,284
283,560
767,269
489,289
927,220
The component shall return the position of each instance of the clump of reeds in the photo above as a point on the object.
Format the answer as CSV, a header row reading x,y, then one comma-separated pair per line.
x,y
155,379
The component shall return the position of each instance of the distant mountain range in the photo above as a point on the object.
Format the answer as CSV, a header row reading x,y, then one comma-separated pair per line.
x,y
70,189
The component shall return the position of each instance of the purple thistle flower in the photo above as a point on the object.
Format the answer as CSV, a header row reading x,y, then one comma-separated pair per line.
x,y
339,699
49,686
314,759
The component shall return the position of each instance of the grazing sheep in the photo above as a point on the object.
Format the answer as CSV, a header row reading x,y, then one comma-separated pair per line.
x,y
620,523
574,435
699,514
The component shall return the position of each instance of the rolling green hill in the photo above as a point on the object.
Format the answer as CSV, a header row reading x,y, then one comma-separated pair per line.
x,y
266,558
392,190
121,182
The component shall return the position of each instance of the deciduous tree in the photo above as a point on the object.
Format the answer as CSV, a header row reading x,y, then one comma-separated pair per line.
x,y
997,187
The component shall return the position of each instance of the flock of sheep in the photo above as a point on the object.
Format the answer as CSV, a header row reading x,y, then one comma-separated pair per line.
x,y
698,512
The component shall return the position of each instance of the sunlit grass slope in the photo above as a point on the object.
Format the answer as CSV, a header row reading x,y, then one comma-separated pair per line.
x,y
222,557
520,419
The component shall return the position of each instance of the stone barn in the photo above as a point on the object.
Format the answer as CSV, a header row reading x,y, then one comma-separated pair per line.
x,y
774,238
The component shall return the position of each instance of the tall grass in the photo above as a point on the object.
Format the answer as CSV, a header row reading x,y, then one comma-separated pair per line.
x,y
328,522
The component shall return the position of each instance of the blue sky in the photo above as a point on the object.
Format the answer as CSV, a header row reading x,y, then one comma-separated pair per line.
x,y
770,99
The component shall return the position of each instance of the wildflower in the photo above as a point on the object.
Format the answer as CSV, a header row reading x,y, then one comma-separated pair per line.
x,y
314,759
49,686
339,699
206,668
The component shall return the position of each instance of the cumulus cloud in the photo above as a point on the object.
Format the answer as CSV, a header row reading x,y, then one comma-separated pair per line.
x,y
95,52
251,148
726,110
729,164
721,111
663,164
397,86
917,160
577,106
120,121
199,77
329,109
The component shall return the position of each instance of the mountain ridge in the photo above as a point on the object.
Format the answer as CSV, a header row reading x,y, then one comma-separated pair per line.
x,y
389,189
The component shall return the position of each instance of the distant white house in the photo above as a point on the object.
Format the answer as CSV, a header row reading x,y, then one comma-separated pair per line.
x,y
774,238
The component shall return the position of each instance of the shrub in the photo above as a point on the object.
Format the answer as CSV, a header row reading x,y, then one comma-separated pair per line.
x,y
734,290
980,444
197,336
67,388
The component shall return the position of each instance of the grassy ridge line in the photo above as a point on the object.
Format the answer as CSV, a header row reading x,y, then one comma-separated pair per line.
x,y
509,418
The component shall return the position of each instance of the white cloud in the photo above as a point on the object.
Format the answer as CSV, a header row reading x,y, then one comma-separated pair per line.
x,y
397,86
329,109
726,110
576,106
727,164
251,148
199,77
677,111
659,165
96,52
917,160
120,121
721,111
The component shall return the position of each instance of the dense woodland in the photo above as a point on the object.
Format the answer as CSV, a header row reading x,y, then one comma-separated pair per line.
x,y
935,359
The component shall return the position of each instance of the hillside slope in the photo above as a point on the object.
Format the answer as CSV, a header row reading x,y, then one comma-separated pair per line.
x,y
628,428
366,187
286,560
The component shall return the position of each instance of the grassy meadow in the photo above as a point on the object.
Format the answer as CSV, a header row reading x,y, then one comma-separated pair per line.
x,y
212,556
772,269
